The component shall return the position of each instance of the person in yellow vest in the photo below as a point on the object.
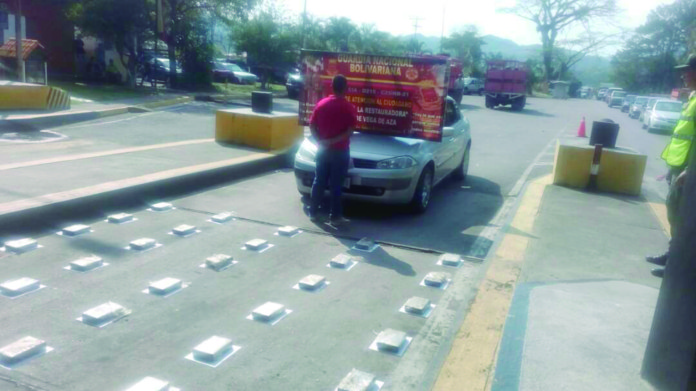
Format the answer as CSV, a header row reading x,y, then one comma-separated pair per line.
x,y
676,154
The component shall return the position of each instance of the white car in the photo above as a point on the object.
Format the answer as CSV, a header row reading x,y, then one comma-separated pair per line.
x,y
396,170
664,115
473,85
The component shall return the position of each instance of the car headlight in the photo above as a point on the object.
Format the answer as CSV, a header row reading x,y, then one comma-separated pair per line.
x,y
307,151
396,163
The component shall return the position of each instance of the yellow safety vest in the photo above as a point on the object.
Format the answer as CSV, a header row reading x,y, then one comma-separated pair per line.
x,y
677,150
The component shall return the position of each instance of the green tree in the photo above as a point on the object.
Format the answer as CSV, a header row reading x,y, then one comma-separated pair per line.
x,y
466,46
268,40
552,17
340,34
122,23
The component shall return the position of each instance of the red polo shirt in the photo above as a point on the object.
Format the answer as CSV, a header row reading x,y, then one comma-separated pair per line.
x,y
333,116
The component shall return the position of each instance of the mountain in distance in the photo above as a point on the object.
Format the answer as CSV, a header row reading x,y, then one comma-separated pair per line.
x,y
591,70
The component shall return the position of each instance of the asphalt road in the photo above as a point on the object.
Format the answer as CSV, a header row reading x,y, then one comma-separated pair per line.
x,y
329,332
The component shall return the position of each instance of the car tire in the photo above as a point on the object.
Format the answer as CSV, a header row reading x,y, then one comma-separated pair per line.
x,y
463,169
424,189
644,126
489,102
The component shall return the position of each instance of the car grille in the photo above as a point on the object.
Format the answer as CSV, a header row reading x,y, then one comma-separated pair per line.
x,y
364,163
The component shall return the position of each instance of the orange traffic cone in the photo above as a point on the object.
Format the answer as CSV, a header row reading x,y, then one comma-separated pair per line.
x,y
581,129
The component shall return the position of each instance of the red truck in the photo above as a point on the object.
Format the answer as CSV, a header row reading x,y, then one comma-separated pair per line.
x,y
506,84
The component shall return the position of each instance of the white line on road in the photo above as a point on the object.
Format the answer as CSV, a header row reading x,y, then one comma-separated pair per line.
x,y
106,123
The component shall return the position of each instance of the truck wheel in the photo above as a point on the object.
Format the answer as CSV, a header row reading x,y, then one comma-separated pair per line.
x,y
519,103
480,92
489,102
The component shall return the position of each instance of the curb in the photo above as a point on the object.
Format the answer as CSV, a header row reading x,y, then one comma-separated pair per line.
x,y
52,120
53,210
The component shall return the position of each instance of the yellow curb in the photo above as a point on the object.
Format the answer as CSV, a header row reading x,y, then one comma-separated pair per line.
x,y
471,360
660,211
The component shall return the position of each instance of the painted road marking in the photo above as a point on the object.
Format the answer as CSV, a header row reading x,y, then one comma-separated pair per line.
x,y
470,363
92,155
48,199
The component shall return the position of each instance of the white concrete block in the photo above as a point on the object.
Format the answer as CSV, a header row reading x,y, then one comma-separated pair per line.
x,y
218,261
120,218
184,230
256,244
417,305
165,286
143,244
22,349
161,206
150,384
103,313
268,311
222,217
356,381
77,229
19,286
342,261
453,260
87,263
391,340
212,349
312,281
288,230
436,279
21,245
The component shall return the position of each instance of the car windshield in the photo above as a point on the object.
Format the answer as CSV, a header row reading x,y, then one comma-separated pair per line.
x,y
640,101
619,94
164,62
672,107
235,68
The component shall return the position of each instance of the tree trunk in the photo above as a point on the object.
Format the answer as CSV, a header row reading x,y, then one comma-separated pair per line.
x,y
547,55
172,63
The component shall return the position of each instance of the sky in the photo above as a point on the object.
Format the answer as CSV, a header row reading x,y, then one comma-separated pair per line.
x,y
399,16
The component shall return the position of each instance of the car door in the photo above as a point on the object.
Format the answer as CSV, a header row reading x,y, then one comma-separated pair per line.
x,y
446,151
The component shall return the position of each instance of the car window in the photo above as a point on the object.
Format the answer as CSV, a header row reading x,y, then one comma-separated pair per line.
x,y
672,107
641,101
236,68
451,114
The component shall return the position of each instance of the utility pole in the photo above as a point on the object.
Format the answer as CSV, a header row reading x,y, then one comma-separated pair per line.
x,y
415,20
21,77
304,22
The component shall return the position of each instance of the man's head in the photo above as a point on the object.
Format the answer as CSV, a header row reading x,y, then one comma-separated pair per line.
x,y
689,72
339,84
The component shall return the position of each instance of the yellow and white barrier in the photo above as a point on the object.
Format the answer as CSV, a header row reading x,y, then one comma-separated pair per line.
x,y
22,96
273,131
620,170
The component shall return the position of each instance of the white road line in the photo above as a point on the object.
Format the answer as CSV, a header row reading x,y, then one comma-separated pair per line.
x,y
106,123
483,242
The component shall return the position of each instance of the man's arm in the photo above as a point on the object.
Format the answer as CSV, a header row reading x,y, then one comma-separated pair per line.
x,y
335,139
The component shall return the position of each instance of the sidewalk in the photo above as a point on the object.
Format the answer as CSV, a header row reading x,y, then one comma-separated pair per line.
x,y
568,299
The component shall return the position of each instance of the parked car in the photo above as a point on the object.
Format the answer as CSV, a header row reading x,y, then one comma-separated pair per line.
x,y
616,98
638,106
664,115
397,170
600,93
610,91
648,107
627,102
294,84
473,85
232,73
159,70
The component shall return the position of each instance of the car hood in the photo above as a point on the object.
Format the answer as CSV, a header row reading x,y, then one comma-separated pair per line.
x,y
667,114
382,146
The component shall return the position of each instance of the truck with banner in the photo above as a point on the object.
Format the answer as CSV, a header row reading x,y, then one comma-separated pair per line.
x,y
394,96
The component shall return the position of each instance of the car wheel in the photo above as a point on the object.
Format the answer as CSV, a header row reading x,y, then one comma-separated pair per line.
x,y
489,102
463,170
421,197
480,92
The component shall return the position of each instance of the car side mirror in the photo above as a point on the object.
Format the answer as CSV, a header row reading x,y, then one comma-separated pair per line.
x,y
447,131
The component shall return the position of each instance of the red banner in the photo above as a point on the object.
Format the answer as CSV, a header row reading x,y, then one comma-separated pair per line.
x,y
395,96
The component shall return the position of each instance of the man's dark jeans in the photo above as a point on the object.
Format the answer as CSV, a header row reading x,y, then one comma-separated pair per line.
x,y
331,169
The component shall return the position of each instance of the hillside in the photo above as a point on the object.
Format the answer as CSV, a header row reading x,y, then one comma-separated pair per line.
x,y
592,70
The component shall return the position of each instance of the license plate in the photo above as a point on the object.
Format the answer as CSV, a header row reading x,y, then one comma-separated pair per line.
x,y
346,183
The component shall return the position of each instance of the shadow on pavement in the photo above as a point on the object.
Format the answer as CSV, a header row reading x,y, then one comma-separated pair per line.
x,y
532,112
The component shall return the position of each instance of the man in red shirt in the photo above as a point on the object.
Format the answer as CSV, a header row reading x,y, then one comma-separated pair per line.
x,y
332,124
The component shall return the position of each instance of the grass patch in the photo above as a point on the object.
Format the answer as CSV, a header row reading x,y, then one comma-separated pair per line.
x,y
101,92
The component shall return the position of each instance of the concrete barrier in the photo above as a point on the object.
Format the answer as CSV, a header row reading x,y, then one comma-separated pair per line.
x,y
242,126
22,96
620,170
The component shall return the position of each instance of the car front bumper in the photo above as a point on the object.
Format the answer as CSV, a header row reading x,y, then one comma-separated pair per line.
x,y
662,125
372,185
